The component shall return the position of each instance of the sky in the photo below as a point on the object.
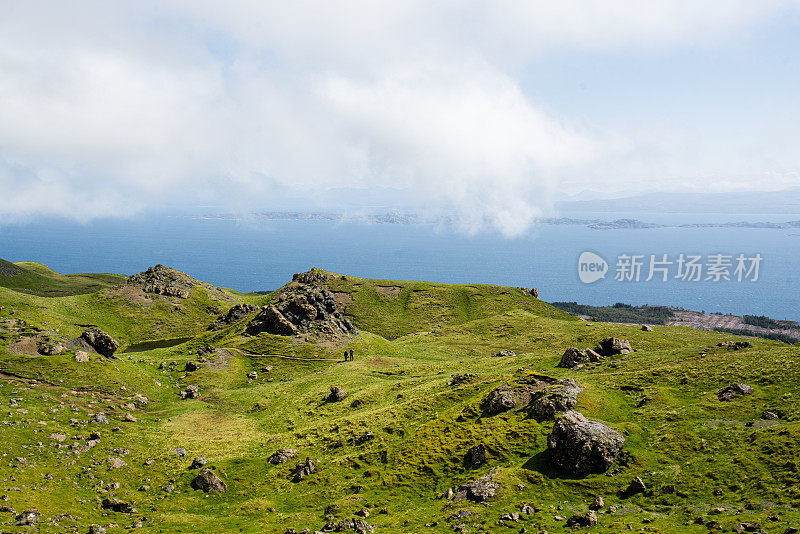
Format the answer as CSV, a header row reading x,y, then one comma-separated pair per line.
x,y
489,110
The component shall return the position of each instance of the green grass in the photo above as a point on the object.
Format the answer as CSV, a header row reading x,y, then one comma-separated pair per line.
x,y
662,397
37,279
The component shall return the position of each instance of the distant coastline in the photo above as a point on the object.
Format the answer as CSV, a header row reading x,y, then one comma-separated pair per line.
x,y
415,218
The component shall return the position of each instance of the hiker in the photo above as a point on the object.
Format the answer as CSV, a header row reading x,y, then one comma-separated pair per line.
x,y
351,355
345,355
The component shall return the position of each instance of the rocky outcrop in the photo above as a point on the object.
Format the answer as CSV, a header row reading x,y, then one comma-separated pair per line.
x,y
458,379
208,481
573,357
587,519
100,341
313,277
303,469
580,446
500,400
301,309
479,490
161,280
734,390
281,456
506,354
27,518
336,394
476,456
556,398
611,346
191,392
735,345
234,314
51,348
116,505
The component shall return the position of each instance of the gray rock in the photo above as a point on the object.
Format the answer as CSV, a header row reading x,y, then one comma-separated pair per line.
x,y
336,394
611,346
734,390
580,446
588,519
180,452
100,418
29,517
100,341
476,456
458,379
191,392
208,481
191,367
597,504
769,416
116,505
97,529
500,400
506,354
479,490
554,399
636,485
81,356
304,469
646,328
51,348
198,462
282,456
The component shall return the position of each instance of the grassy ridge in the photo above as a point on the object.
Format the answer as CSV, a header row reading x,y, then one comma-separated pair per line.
x,y
662,397
37,279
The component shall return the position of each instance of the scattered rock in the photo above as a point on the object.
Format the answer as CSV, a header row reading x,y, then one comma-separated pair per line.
x,y
769,416
100,418
580,446
506,353
636,486
27,518
208,481
573,356
100,341
116,463
116,505
735,345
734,390
597,504
554,399
282,456
476,456
191,367
51,348
527,509
304,469
130,418
588,519
252,375
458,379
233,315
500,400
363,438
191,392
479,490
747,527
611,346
336,394
646,328
198,462
97,529
81,356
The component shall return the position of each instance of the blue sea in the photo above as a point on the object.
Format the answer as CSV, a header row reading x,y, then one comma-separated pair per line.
x,y
251,254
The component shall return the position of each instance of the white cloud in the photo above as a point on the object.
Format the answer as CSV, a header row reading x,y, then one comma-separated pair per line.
x,y
108,108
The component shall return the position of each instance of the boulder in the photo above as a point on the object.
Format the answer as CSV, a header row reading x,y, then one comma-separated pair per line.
x,y
476,456
734,390
479,490
281,456
116,505
500,400
647,328
304,469
116,463
100,341
198,462
368,435
598,503
580,446
735,345
235,314
51,348
191,367
611,346
636,485
27,518
505,353
252,375
81,356
553,399
191,392
336,394
458,379
208,481
588,519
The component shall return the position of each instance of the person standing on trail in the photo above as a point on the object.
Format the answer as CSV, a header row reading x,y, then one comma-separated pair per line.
x,y
351,355
345,355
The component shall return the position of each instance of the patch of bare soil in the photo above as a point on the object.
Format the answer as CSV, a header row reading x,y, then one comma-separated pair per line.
x,y
132,293
26,345
389,291
342,298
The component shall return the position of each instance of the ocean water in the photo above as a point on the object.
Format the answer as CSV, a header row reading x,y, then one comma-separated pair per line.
x,y
250,255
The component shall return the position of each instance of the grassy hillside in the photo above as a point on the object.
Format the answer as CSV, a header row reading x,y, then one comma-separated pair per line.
x,y
37,279
702,460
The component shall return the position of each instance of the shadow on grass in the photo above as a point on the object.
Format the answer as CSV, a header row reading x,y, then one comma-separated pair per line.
x,y
541,463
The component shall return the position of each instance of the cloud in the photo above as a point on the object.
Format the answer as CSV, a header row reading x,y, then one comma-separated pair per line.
x,y
110,109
